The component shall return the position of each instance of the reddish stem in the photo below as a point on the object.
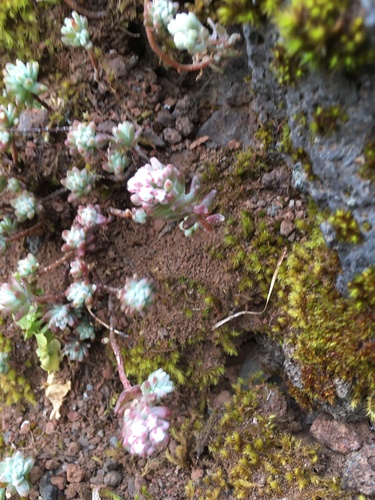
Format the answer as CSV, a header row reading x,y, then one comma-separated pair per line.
x,y
84,12
25,232
120,363
56,264
169,60
95,64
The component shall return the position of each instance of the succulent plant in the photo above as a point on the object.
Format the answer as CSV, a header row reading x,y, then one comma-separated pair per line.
x,y
159,13
78,269
27,267
117,164
8,226
5,140
145,426
83,139
20,81
189,33
13,472
159,383
80,293
160,191
75,349
136,295
59,317
16,297
89,216
8,115
124,135
25,206
75,239
13,185
85,330
79,182
75,31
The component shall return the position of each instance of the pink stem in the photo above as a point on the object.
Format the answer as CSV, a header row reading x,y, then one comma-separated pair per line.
x,y
84,12
120,364
169,60
56,264
25,232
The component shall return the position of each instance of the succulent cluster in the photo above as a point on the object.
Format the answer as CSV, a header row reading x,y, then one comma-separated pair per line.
x,y
145,424
75,32
20,81
160,191
13,473
161,18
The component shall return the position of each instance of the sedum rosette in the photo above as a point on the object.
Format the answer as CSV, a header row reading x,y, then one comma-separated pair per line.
x,y
20,81
160,191
13,472
75,31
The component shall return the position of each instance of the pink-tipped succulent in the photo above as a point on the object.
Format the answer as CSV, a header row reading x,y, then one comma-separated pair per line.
x,y
83,139
137,295
160,190
145,425
16,297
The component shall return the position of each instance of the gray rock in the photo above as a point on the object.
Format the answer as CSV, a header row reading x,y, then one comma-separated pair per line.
x,y
359,473
46,490
113,478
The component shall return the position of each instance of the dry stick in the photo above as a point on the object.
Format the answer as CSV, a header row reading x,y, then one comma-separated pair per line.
x,y
88,13
169,60
44,104
255,313
101,322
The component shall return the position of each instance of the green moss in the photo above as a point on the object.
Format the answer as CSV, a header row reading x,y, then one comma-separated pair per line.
x,y
346,227
22,27
362,289
331,337
326,121
15,387
324,34
246,11
255,458
367,171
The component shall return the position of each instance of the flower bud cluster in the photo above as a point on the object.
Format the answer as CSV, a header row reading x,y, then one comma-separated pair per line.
x,y
145,424
160,191
75,349
75,31
20,81
13,472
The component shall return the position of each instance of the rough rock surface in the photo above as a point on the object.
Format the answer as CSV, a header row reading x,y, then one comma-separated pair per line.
x,y
359,474
335,158
337,436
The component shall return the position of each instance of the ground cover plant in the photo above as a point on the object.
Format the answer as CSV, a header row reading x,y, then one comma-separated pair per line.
x,y
124,240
